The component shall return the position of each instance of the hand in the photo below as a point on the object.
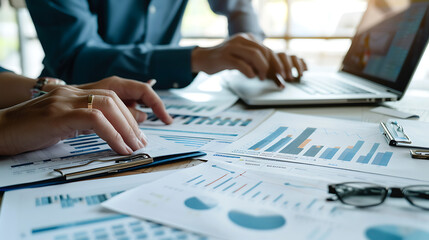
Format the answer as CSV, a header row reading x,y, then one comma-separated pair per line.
x,y
245,53
59,114
132,93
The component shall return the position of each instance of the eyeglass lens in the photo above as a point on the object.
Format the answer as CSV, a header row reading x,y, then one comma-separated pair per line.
x,y
361,194
418,195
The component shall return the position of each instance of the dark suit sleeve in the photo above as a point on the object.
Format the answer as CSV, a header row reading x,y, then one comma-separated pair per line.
x,y
240,14
3,70
76,53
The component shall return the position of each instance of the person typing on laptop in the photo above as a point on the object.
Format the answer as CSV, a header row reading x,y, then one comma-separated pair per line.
x,y
139,39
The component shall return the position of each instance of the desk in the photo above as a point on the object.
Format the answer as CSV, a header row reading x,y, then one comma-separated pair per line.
x,y
418,93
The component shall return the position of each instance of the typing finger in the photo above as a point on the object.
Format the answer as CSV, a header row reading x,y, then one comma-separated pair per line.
x,y
298,67
242,66
254,58
287,66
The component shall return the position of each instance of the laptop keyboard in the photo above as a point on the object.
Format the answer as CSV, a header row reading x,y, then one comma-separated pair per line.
x,y
329,86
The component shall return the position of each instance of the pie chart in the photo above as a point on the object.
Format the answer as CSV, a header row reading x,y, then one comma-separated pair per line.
x,y
393,232
262,220
200,203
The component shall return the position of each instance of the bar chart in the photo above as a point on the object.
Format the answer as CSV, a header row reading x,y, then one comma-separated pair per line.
x,y
228,125
69,150
67,201
204,121
85,144
309,143
245,185
193,103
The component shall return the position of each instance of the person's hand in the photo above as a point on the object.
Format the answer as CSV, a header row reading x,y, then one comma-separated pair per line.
x,y
64,111
244,53
132,93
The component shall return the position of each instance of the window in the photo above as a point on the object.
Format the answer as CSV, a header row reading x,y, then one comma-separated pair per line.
x,y
318,30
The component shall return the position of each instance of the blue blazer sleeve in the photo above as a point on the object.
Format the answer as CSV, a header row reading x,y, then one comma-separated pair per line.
x,y
241,16
3,70
75,52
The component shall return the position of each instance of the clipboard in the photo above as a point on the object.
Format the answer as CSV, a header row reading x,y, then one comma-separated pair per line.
x,y
103,167
405,133
100,166
394,133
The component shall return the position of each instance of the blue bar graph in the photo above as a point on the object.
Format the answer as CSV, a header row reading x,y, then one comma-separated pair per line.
x,y
222,183
213,121
313,151
194,178
208,121
256,194
66,201
230,186
245,123
187,141
366,158
224,121
199,109
281,143
264,142
329,153
233,123
202,120
351,151
80,139
294,146
91,145
278,198
250,189
190,120
382,159
200,182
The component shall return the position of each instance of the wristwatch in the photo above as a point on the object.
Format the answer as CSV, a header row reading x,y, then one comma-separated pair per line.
x,y
37,89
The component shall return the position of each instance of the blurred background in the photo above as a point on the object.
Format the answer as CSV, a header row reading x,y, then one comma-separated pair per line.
x,y
317,30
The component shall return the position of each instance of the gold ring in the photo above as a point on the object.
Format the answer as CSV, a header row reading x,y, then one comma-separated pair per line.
x,y
90,101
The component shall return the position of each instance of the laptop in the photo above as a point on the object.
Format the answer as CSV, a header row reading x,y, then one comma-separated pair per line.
x,y
385,51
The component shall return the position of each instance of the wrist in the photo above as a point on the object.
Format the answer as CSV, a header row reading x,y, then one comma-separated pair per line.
x,y
198,57
5,146
45,84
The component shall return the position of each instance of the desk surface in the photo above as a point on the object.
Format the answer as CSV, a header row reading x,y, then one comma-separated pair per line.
x,y
416,100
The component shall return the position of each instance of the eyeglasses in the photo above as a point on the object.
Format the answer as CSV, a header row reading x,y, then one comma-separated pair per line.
x,y
362,194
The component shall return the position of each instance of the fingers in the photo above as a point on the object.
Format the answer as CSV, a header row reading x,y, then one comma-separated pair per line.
x,y
287,66
243,67
297,65
303,64
82,119
119,116
138,115
254,58
130,90
152,100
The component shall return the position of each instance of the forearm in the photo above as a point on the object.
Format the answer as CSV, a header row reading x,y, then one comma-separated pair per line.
x,y
15,89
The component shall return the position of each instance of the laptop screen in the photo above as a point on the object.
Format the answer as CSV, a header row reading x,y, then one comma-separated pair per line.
x,y
389,42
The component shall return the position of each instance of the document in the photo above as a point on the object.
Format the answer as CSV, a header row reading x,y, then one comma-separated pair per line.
x,y
228,201
207,95
38,166
73,211
328,142
282,167
231,124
